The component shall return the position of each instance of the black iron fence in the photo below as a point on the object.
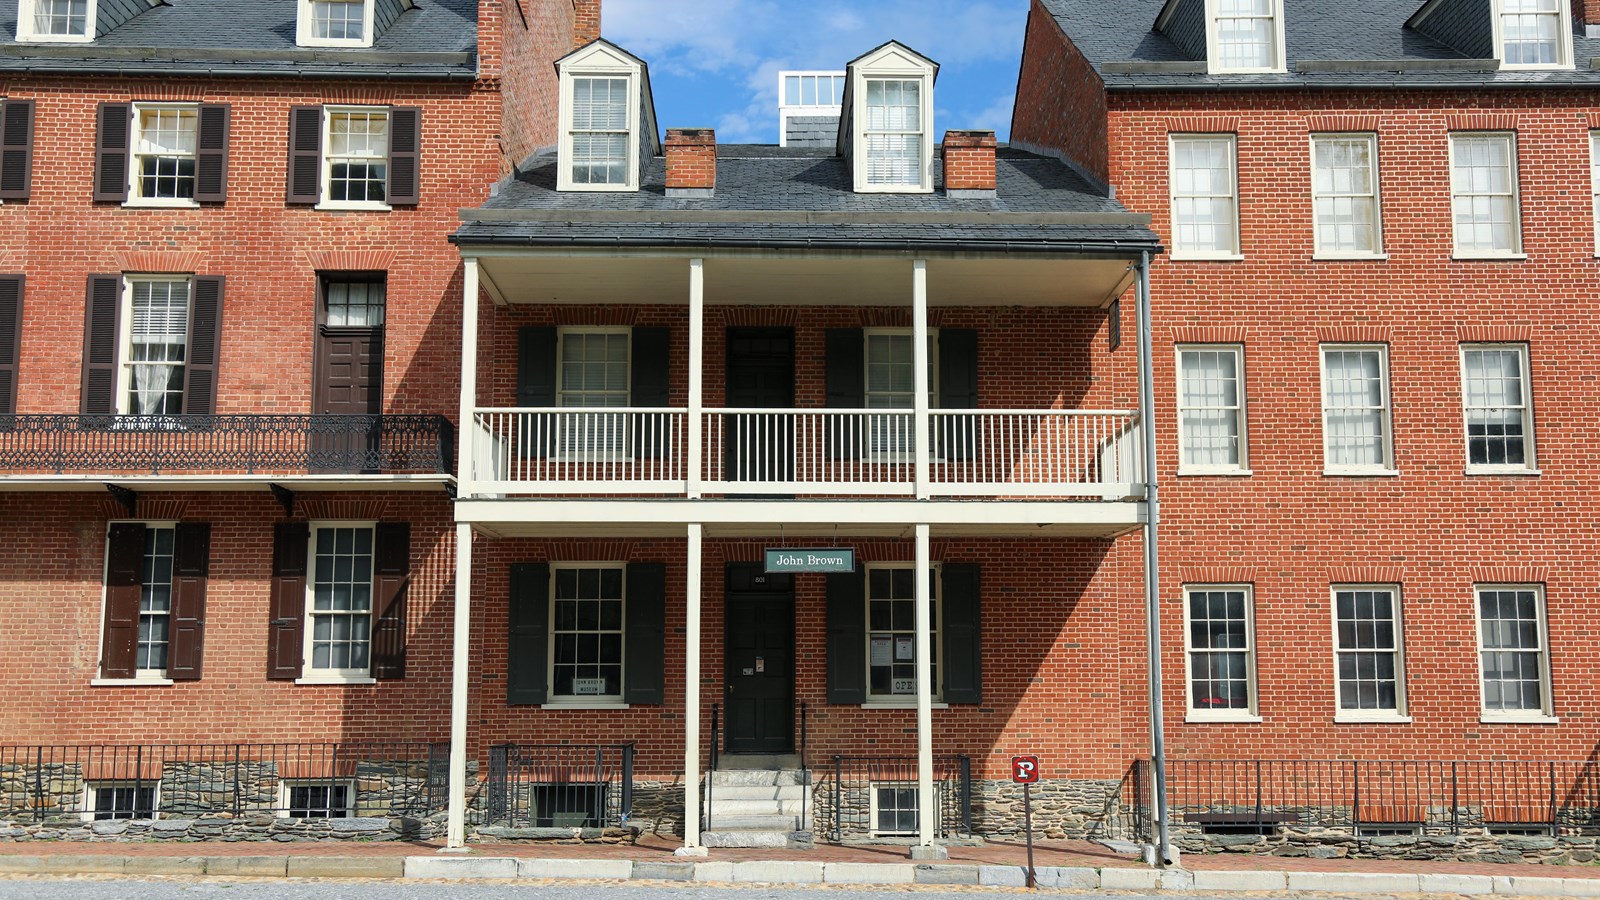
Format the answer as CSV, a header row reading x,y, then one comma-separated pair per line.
x,y
559,786
1373,797
248,444
877,796
155,781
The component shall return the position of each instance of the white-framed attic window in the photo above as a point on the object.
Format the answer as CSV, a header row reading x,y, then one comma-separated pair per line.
x,y
600,120
889,100
56,21
334,23
1244,36
1533,34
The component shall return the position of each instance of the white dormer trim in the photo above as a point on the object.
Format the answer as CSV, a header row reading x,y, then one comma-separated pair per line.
x,y
1214,63
26,11
891,62
602,60
305,33
1564,53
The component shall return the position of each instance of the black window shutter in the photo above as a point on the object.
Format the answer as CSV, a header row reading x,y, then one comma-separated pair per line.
x,y
846,378
305,155
291,544
10,340
205,339
101,328
211,153
963,634
391,565
536,384
119,646
644,657
528,641
16,149
651,387
111,152
405,155
847,637
191,565
958,389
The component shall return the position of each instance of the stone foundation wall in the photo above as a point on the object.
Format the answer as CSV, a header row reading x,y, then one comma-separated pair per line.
x,y
1568,849
1061,810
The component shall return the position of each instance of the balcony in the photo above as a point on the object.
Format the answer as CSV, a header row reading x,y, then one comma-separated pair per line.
x,y
816,453
232,445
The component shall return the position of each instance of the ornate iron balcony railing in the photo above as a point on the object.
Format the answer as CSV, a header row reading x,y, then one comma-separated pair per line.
x,y
235,444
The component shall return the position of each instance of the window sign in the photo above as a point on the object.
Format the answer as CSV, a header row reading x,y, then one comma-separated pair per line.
x,y
904,686
588,686
903,648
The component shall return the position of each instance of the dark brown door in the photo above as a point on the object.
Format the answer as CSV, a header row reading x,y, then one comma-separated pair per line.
x,y
760,376
758,656
347,389
350,371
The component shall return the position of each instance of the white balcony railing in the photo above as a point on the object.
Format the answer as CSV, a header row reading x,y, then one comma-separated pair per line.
x,y
814,452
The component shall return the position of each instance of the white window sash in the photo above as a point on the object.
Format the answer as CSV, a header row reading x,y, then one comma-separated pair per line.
x,y
1198,714
306,27
936,584
313,672
1230,197
131,375
1480,405
1382,415
371,157
1558,22
1396,651
594,433
1594,185
28,31
1372,196
622,631
1540,651
1215,44
1192,414
603,66
1464,203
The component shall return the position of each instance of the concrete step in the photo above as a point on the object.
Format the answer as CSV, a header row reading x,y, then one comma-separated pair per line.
x,y
749,822
722,807
749,777
722,792
785,840
759,761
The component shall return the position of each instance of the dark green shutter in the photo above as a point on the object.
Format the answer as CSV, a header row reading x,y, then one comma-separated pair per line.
x,y
101,330
211,153
405,155
391,575
191,564
304,182
846,378
847,637
536,387
644,653
958,389
528,638
963,634
16,149
205,340
651,387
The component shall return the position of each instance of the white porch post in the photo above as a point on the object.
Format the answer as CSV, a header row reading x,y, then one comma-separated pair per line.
x,y
927,823
919,385
697,333
467,433
456,825
691,700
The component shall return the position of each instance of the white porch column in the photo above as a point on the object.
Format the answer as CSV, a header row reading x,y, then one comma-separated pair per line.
x,y
919,358
691,700
927,812
459,653
697,335
467,433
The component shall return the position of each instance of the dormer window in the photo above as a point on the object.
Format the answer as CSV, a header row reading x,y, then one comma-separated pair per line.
x,y
1533,34
889,120
55,20
334,23
600,119
1245,36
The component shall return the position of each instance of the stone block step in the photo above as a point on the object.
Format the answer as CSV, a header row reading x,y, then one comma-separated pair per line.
x,y
782,840
725,806
754,822
759,761
774,777
722,792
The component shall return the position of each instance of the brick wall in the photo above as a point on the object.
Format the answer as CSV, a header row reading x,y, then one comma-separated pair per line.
x,y
1061,102
539,34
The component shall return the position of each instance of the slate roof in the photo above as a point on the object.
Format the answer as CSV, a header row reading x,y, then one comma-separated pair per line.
x,y
777,197
253,38
1346,43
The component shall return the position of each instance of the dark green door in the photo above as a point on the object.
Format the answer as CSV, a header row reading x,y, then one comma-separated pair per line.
x,y
758,653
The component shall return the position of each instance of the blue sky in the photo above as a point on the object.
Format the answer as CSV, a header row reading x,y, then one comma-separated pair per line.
x,y
715,62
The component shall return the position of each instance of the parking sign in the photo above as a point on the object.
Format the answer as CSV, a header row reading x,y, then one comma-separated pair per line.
x,y
1025,769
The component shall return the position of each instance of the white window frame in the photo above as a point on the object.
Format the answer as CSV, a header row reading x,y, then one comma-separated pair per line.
x,y
141,677
1398,714
1178,251
1208,714
1530,464
1544,715
93,785
305,30
26,10
873,806
1387,466
936,583
1594,185
325,198
598,60
1214,64
287,785
1242,467
624,450
1515,179
867,452
1376,196
309,673
787,111
1564,54
890,63
124,378
586,701
135,181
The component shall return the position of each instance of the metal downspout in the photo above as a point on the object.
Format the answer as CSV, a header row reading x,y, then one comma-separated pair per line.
x,y
1152,569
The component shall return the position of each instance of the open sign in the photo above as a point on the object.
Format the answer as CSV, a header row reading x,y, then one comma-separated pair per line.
x,y
1025,769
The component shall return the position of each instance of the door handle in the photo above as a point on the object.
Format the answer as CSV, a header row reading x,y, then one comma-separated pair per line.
x,y
728,688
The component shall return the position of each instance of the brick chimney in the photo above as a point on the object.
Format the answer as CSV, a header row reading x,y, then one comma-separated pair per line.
x,y
585,22
691,162
969,163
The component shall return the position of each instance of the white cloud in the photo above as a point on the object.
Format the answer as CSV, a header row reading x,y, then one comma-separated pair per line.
x,y
997,116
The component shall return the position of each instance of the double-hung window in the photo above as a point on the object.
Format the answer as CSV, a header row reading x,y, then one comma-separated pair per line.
x,y
1368,654
339,641
356,165
1344,188
892,633
56,20
1205,196
1246,36
334,23
155,347
605,127
1511,649
593,377
1533,34
891,385
1499,411
1211,409
1594,184
889,120
600,131
1221,649
1355,410
587,606
894,132
1483,194
164,154
153,575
